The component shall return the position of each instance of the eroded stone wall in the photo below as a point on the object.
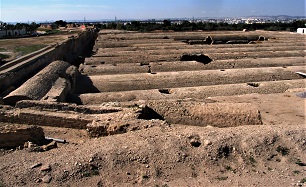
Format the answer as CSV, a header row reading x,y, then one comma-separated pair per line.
x,y
16,72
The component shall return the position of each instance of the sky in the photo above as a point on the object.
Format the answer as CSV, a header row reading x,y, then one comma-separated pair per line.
x,y
51,10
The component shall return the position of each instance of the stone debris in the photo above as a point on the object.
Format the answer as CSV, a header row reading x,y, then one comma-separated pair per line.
x,y
12,136
49,146
301,95
46,179
36,165
207,143
46,167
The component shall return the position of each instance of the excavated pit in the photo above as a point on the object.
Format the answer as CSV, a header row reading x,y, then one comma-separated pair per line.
x,y
196,57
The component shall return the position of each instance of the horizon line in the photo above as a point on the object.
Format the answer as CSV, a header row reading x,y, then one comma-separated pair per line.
x,y
147,19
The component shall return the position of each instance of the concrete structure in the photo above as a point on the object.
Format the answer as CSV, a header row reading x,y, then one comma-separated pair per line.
x,y
301,30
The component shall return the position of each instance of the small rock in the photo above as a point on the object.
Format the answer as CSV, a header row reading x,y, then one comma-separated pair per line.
x,y
35,165
47,179
207,143
51,145
38,180
27,144
45,168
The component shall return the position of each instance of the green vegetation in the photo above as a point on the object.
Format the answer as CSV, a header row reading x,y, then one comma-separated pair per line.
x,y
91,173
283,150
23,50
252,160
296,172
30,28
3,56
303,180
222,178
205,26
53,31
2,49
300,163
229,168
1,184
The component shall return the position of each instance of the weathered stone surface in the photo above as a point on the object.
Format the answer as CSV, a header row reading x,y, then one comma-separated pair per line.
x,y
39,85
59,91
47,179
121,122
12,136
16,71
204,114
200,92
146,81
46,167
67,107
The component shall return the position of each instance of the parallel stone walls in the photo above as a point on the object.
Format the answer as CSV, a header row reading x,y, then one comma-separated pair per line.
x,y
15,74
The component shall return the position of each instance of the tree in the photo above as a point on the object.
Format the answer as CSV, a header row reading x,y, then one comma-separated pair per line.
x,y
61,23
18,27
167,23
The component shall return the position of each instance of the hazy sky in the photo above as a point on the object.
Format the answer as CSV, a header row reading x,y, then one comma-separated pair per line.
x,y
42,10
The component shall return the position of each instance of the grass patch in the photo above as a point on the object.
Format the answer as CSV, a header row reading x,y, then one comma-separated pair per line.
x,y
1,184
283,150
158,172
252,160
24,50
91,173
2,49
300,163
3,56
222,178
228,168
296,172
53,32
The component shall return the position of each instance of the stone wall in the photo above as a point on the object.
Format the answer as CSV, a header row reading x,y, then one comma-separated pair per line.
x,y
47,81
12,136
16,72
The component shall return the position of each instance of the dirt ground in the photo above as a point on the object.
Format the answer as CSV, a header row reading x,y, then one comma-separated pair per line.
x,y
272,154
9,46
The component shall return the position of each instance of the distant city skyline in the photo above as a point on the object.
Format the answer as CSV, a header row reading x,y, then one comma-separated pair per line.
x,y
41,10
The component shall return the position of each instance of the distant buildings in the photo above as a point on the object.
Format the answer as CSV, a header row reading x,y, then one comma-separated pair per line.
x,y
13,32
301,30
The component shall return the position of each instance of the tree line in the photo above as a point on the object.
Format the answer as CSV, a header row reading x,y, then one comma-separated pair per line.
x,y
166,25
19,26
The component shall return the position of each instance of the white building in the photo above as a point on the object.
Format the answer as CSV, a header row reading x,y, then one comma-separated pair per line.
x,y
301,30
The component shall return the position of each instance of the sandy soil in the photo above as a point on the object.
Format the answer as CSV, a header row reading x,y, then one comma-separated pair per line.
x,y
176,155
